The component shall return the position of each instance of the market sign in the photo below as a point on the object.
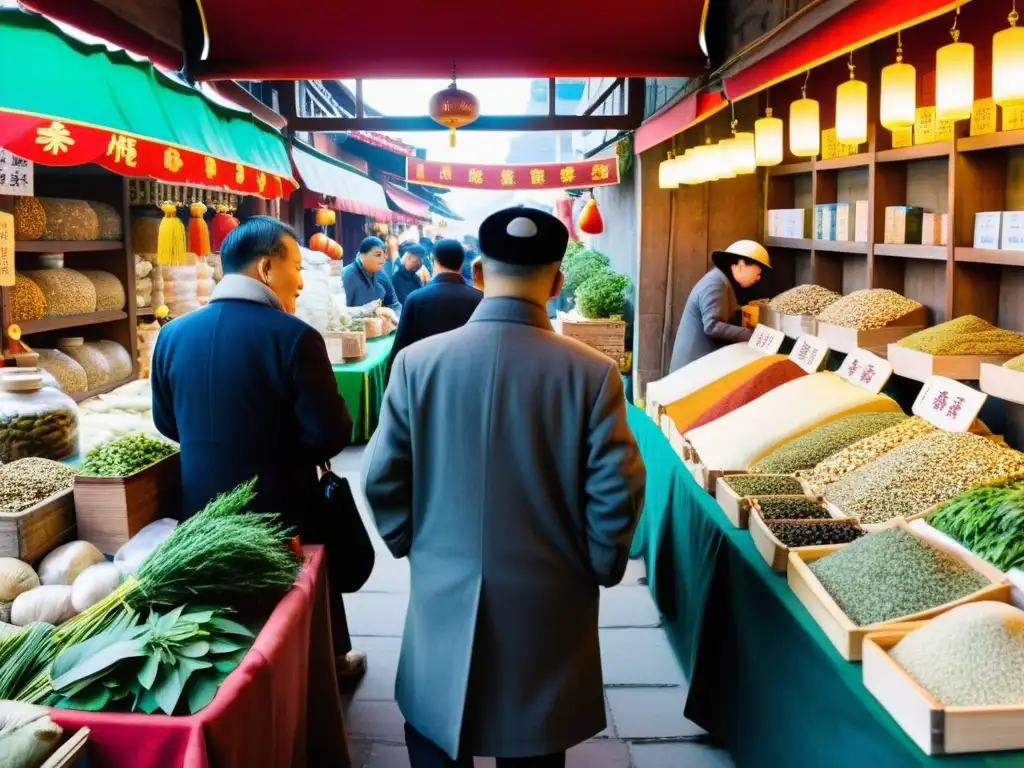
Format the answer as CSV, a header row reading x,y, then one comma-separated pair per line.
x,y
6,249
17,176
590,173
766,340
810,353
866,369
948,404
50,141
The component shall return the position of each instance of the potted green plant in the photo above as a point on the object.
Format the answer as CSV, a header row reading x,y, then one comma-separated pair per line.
x,y
599,303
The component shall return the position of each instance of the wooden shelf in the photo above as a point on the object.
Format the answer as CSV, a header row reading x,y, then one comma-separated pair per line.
x,y
988,256
799,243
841,246
909,251
997,140
838,163
102,390
66,246
145,312
70,321
791,168
916,152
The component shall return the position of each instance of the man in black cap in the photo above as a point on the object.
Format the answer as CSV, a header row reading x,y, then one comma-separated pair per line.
x,y
405,276
500,656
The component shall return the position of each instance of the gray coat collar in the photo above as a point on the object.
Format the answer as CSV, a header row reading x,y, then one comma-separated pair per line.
x,y
506,309
243,288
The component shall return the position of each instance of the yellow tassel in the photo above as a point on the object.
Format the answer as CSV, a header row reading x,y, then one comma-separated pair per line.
x,y
170,242
451,136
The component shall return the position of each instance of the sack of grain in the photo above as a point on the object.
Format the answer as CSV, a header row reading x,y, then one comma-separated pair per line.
x,y
109,291
109,219
69,220
67,292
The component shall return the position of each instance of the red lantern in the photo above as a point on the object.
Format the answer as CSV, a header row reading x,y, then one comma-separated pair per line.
x,y
454,108
590,220
220,225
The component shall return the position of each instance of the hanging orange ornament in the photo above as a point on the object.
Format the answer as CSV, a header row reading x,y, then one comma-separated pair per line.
x,y
319,242
198,232
590,220
454,108
324,216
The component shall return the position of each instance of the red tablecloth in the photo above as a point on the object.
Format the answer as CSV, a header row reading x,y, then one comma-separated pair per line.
x,y
279,708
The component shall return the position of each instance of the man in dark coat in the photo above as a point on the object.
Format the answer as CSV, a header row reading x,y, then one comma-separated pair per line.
x,y
405,276
364,279
444,304
247,389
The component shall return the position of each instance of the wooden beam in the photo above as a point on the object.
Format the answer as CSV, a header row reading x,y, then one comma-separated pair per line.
x,y
636,99
485,123
359,99
604,95
287,100
552,97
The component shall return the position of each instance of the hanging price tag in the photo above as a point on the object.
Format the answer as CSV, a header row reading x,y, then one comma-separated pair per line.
x,y
766,339
810,353
866,370
6,249
948,404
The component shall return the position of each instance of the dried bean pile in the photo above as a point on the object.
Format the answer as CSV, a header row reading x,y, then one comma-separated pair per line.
x,y
110,293
70,375
967,335
67,292
814,534
892,574
764,485
972,656
28,481
27,301
50,433
791,509
922,473
870,308
29,219
808,299
775,375
1017,364
808,450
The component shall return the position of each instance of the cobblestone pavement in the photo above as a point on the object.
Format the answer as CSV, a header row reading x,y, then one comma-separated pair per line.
x,y
644,687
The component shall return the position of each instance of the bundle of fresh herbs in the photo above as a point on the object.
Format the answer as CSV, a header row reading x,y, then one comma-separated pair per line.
x,y
174,663
989,521
25,655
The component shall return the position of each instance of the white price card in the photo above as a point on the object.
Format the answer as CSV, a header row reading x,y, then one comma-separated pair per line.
x,y
766,340
810,353
948,404
17,176
865,369
6,249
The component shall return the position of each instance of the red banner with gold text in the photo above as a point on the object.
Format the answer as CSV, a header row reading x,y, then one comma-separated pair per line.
x,y
589,173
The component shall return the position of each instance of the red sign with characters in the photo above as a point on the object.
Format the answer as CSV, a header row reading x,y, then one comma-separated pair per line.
x,y
589,173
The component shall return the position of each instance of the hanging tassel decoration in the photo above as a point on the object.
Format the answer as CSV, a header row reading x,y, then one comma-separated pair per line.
x,y
198,232
170,244
590,220
220,225
563,210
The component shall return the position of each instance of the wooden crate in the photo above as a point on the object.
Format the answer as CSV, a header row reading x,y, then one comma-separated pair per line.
x,y
110,510
31,533
920,366
606,336
1002,383
934,727
72,749
841,339
343,346
848,637
774,552
736,507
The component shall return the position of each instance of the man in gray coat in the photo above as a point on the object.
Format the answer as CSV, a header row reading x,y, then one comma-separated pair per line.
x,y
504,469
708,317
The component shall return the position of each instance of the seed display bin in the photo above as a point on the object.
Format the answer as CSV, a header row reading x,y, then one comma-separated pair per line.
x,y
33,532
1004,383
847,637
737,507
774,552
795,326
769,318
920,366
872,527
934,727
839,338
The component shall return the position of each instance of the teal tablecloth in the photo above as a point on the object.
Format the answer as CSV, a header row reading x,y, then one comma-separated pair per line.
x,y
763,677
361,384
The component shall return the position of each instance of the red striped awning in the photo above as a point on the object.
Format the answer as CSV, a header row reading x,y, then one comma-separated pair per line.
x,y
677,118
351,191
407,202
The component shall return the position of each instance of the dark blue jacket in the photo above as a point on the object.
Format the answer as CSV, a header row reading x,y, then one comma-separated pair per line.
x,y
361,287
404,282
247,389
443,304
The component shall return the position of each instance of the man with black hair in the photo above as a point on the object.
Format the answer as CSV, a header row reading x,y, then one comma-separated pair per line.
x,y
444,304
363,279
405,277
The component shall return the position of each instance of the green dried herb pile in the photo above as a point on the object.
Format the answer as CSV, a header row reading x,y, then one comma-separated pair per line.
x,y
808,450
126,456
764,485
814,534
791,509
989,521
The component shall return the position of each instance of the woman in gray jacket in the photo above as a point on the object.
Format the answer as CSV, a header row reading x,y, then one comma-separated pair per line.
x,y
708,317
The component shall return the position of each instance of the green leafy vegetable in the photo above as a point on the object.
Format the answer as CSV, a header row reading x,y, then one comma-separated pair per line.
x,y
989,521
580,267
602,295
126,456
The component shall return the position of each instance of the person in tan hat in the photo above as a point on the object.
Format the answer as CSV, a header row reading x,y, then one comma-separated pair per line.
x,y
708,319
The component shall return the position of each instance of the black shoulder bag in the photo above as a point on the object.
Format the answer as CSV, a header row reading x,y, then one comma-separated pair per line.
x,y
338,525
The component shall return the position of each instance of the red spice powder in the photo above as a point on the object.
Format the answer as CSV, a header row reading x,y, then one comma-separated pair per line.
x,y
771,377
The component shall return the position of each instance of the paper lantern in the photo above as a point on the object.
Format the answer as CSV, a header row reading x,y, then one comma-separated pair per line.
x,y
898,98
454,108
683,168
954,80
721,160
667,173
804,127
852,110
1008,64
768,139
743,159
699,170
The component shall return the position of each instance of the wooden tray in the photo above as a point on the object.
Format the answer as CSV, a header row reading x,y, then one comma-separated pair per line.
x,y
68,753
934,727
920,366
774,552
838,338
795,326
110,510
32,533
848,637
1002,383
737,507
837,513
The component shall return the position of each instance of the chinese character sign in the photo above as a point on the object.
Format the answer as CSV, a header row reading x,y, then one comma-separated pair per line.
x,y
809,352
948,404
6,249
590,173
16,174
866,370
766,340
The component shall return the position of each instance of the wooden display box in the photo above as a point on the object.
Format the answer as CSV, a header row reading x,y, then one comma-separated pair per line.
x,y
837,513
606,336
842,339
847,637
774,552
71,750
934,727
736,507
1002,383
920,366
110,510
32,533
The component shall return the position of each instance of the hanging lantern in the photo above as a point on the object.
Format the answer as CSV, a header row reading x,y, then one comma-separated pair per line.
x,y
742,157
324,216
954,78
1008,64
722,160
804,125
685,168
667,173
454,108
768,139
898,106
699,165
220,225
590,220
852,110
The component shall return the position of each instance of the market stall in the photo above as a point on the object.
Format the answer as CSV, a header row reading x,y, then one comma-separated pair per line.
x,y
361,383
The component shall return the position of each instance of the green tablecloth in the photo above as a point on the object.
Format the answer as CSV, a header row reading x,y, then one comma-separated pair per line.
x,y
763,677
362,385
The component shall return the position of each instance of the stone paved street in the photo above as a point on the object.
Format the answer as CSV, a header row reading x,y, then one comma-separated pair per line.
x,y
644,687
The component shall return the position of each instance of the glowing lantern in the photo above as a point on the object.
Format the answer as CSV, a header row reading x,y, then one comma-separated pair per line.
x,y
768,139
454,108
742,154
954,78
899,93
721,164
667,173
324,216
699,167
852,110
1008,64
804,126
682,168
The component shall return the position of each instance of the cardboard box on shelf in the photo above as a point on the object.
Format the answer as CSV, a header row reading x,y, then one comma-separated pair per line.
x,y
933,229
987,230
1012,237
903,224
861,225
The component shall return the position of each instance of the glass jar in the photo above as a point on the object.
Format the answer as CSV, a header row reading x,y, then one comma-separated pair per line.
x,y
35,420
97,369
